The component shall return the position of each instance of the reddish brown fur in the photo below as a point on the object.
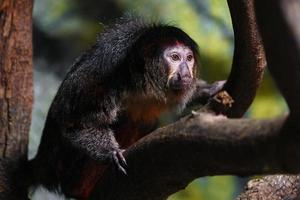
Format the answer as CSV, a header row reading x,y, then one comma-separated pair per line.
x,y
89,177
139,111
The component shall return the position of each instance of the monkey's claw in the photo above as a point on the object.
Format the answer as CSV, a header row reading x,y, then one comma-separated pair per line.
x,y
120,161
121,157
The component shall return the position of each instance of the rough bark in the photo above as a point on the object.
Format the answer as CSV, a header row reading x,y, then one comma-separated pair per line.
x,y
15,85
272,188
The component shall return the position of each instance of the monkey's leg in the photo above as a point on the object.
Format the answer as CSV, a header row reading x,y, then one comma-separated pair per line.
x,y
99,144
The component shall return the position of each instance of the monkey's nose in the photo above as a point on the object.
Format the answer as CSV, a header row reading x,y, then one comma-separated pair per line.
x,y
184,71
178,77
183,78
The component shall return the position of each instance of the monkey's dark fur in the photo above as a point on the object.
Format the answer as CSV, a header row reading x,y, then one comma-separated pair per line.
x,y
112,96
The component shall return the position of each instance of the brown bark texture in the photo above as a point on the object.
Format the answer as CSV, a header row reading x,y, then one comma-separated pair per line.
x,y
272,188
16,93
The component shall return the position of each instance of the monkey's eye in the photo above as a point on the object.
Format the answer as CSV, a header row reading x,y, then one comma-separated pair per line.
x,y
189,57
175,57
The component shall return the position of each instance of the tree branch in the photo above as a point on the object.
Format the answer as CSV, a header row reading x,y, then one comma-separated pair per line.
x,y
171,157
248,60
15,76
279,26
272,188
16,92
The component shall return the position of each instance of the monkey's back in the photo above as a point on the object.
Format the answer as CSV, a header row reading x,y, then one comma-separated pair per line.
x,y
94,81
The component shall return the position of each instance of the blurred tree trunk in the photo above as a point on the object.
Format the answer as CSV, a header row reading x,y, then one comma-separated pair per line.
x,y
16,93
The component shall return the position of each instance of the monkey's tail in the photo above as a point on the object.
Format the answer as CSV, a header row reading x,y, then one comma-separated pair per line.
x,y
16,177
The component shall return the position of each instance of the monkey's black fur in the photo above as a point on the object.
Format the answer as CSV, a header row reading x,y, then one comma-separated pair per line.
x,y
91,105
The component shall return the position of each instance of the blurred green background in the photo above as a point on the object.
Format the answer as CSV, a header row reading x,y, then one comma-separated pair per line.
x,y
63,29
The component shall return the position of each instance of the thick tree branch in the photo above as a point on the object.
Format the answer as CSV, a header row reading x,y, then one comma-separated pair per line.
x,y
279,26
248,60
168,159
15,91
15,76
272,188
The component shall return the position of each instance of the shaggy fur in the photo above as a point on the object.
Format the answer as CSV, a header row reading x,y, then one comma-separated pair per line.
x,y
111,97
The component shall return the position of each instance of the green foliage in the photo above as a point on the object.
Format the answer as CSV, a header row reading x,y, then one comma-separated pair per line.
x,y
59,19
218,187
268,102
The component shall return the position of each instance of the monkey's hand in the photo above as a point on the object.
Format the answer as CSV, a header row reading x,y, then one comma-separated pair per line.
x,y
205,91
214,88
99,144
119,160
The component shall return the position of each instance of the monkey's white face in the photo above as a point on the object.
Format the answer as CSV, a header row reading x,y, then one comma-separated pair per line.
x,y
180,66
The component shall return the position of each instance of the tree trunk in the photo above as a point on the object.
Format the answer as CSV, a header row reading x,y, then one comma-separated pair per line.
x,y
16,93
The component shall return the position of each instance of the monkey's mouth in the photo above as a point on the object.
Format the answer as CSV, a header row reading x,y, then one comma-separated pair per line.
x,y
181,85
